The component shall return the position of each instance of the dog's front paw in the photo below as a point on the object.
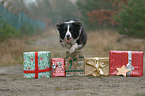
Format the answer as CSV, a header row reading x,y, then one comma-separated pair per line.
x,y
72,49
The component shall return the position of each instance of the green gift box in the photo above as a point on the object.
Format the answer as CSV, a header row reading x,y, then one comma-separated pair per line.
x,y
37,64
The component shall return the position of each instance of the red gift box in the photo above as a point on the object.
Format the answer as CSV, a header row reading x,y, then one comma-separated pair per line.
x,y
133,60
57,67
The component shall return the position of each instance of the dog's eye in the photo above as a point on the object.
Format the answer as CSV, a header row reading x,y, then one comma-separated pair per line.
x,y
62,32
60,26
75,30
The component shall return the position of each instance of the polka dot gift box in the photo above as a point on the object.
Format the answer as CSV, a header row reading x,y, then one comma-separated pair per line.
x,y
132,60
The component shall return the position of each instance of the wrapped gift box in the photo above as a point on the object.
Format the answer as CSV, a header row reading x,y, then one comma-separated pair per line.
x,y
37,64
57,67
97,66
74,64
132,60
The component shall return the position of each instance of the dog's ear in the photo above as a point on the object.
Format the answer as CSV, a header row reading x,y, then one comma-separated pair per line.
x,y
59,25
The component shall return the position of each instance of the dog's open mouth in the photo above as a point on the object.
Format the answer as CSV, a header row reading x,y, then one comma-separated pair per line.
x,y
68,39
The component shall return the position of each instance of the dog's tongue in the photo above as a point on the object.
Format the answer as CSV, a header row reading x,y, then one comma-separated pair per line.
x,y
68,39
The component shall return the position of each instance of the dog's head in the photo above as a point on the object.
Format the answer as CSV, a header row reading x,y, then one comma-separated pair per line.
x,y
69,31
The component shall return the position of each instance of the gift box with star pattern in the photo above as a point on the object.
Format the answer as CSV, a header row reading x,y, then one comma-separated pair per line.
x,y
57,67
131,60
37,64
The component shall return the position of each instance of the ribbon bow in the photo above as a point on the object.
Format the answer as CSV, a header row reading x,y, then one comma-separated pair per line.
x,y
58,65
129,65
72,60
97,65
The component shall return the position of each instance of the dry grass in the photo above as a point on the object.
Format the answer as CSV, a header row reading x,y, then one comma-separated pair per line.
x,y
11,50
99,43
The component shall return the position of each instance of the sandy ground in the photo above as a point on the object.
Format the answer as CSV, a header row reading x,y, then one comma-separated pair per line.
x,y
12,82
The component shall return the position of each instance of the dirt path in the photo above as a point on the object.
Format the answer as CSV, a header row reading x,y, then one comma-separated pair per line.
x,y
12,83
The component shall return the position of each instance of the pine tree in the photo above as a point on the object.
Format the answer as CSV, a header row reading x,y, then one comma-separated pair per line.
x,y
131,18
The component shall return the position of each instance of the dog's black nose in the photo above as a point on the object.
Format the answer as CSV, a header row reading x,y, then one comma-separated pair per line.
x,y
68,36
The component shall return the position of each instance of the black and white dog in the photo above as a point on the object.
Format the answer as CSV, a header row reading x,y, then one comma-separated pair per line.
x,y
72,35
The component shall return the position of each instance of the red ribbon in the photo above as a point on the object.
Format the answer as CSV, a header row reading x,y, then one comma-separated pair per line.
x,y
36,71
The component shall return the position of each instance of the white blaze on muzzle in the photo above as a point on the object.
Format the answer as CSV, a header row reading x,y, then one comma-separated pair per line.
x,y
68,33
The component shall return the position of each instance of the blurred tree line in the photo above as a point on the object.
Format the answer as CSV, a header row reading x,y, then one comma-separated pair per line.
x,y
127,16
16,20
6,30
55,10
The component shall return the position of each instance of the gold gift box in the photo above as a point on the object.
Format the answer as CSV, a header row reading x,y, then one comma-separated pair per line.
x,y
97,66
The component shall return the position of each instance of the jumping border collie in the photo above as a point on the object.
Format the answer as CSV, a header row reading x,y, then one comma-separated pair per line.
x,y
72,35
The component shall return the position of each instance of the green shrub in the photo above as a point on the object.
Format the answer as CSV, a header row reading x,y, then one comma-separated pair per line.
x,y
27,29
6,30
131,18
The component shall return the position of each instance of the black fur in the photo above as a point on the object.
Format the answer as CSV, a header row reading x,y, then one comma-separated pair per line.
x,y
77,32
82,39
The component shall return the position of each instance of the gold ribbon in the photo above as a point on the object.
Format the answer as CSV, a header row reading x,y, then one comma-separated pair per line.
x,y
97,65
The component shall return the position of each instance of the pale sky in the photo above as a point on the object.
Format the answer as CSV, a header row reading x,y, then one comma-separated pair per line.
x,y
28,1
